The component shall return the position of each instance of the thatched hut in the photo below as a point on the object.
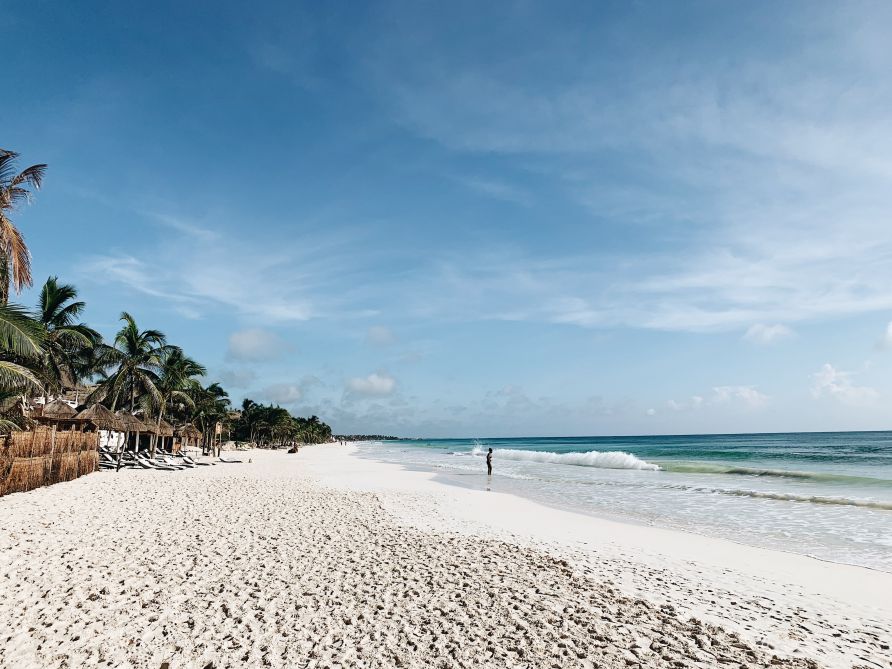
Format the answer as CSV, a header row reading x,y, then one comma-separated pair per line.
x,y
56,413
186,436
165,436
98,418
134,429
101,418
129,422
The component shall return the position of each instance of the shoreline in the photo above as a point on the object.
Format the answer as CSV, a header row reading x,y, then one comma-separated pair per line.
x,y
324,559
839,592
601,515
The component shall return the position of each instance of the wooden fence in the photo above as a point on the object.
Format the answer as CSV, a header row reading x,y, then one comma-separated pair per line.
x,y
45,455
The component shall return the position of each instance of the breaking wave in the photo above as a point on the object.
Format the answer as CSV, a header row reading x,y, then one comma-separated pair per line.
x,y
600,459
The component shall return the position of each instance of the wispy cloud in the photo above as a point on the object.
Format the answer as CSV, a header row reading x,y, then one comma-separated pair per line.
x,y
256,345
763,334
237,377
380,335
190,228
885,341
496,188
746,396
272,280
282,393
766,180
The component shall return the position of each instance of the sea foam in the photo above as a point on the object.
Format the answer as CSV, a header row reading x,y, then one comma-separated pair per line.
x,y
600,459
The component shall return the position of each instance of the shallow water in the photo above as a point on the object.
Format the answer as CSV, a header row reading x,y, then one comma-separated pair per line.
x,y
828,495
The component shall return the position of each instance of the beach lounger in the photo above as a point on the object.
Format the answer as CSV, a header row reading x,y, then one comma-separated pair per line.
x,y
167,460
145,463
186,458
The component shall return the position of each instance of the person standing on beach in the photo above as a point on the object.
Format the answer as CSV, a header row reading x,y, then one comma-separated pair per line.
x,y
489,463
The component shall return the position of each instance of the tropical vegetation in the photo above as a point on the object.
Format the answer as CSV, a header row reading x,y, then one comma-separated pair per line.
x,y
268,425
50,350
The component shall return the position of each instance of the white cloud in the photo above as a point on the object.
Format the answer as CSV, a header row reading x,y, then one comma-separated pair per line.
x,y
651,412
497,189
831,382
265,280
761,333
767,186
237,378
886,341
256,345
187,227
769,183
745,395
378,335
282,393
377,384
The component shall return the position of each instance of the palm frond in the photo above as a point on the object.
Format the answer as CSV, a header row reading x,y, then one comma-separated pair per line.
x,y
18,258
16,376
20,334
31,176
7,166
74,335
52,303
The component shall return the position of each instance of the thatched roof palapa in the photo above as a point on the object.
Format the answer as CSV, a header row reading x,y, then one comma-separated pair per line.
x,y
102,418
131,423
165,429
58,410
188,430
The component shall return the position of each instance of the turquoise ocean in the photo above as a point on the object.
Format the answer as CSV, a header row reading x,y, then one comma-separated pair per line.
x,y
828,495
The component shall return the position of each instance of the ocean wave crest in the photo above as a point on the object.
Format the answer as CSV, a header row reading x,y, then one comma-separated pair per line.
x,y
811,499
600,459
709,468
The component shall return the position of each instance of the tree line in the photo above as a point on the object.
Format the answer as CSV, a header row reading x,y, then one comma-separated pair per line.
x,y
268,426
49,349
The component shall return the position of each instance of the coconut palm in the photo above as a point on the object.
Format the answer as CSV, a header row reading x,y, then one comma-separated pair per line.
x,y
269,425
247,419
177,377
58,311
15,259
136,357
211,407
21,349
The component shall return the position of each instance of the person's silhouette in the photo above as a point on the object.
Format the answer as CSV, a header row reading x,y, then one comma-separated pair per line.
x,y
489,463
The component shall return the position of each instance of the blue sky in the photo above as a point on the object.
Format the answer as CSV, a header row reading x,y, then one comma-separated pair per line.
x,y
451,219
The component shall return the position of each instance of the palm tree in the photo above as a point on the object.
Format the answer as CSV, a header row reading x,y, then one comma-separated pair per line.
x,y
176,379
137,355
211,407
21,349
15,259
247,420
66,339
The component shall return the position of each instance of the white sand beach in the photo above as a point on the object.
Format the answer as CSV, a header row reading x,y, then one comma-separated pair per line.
x,y
323,559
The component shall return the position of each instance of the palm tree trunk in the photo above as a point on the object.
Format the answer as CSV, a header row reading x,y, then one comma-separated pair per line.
x,y
157,432
4,280
121,449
